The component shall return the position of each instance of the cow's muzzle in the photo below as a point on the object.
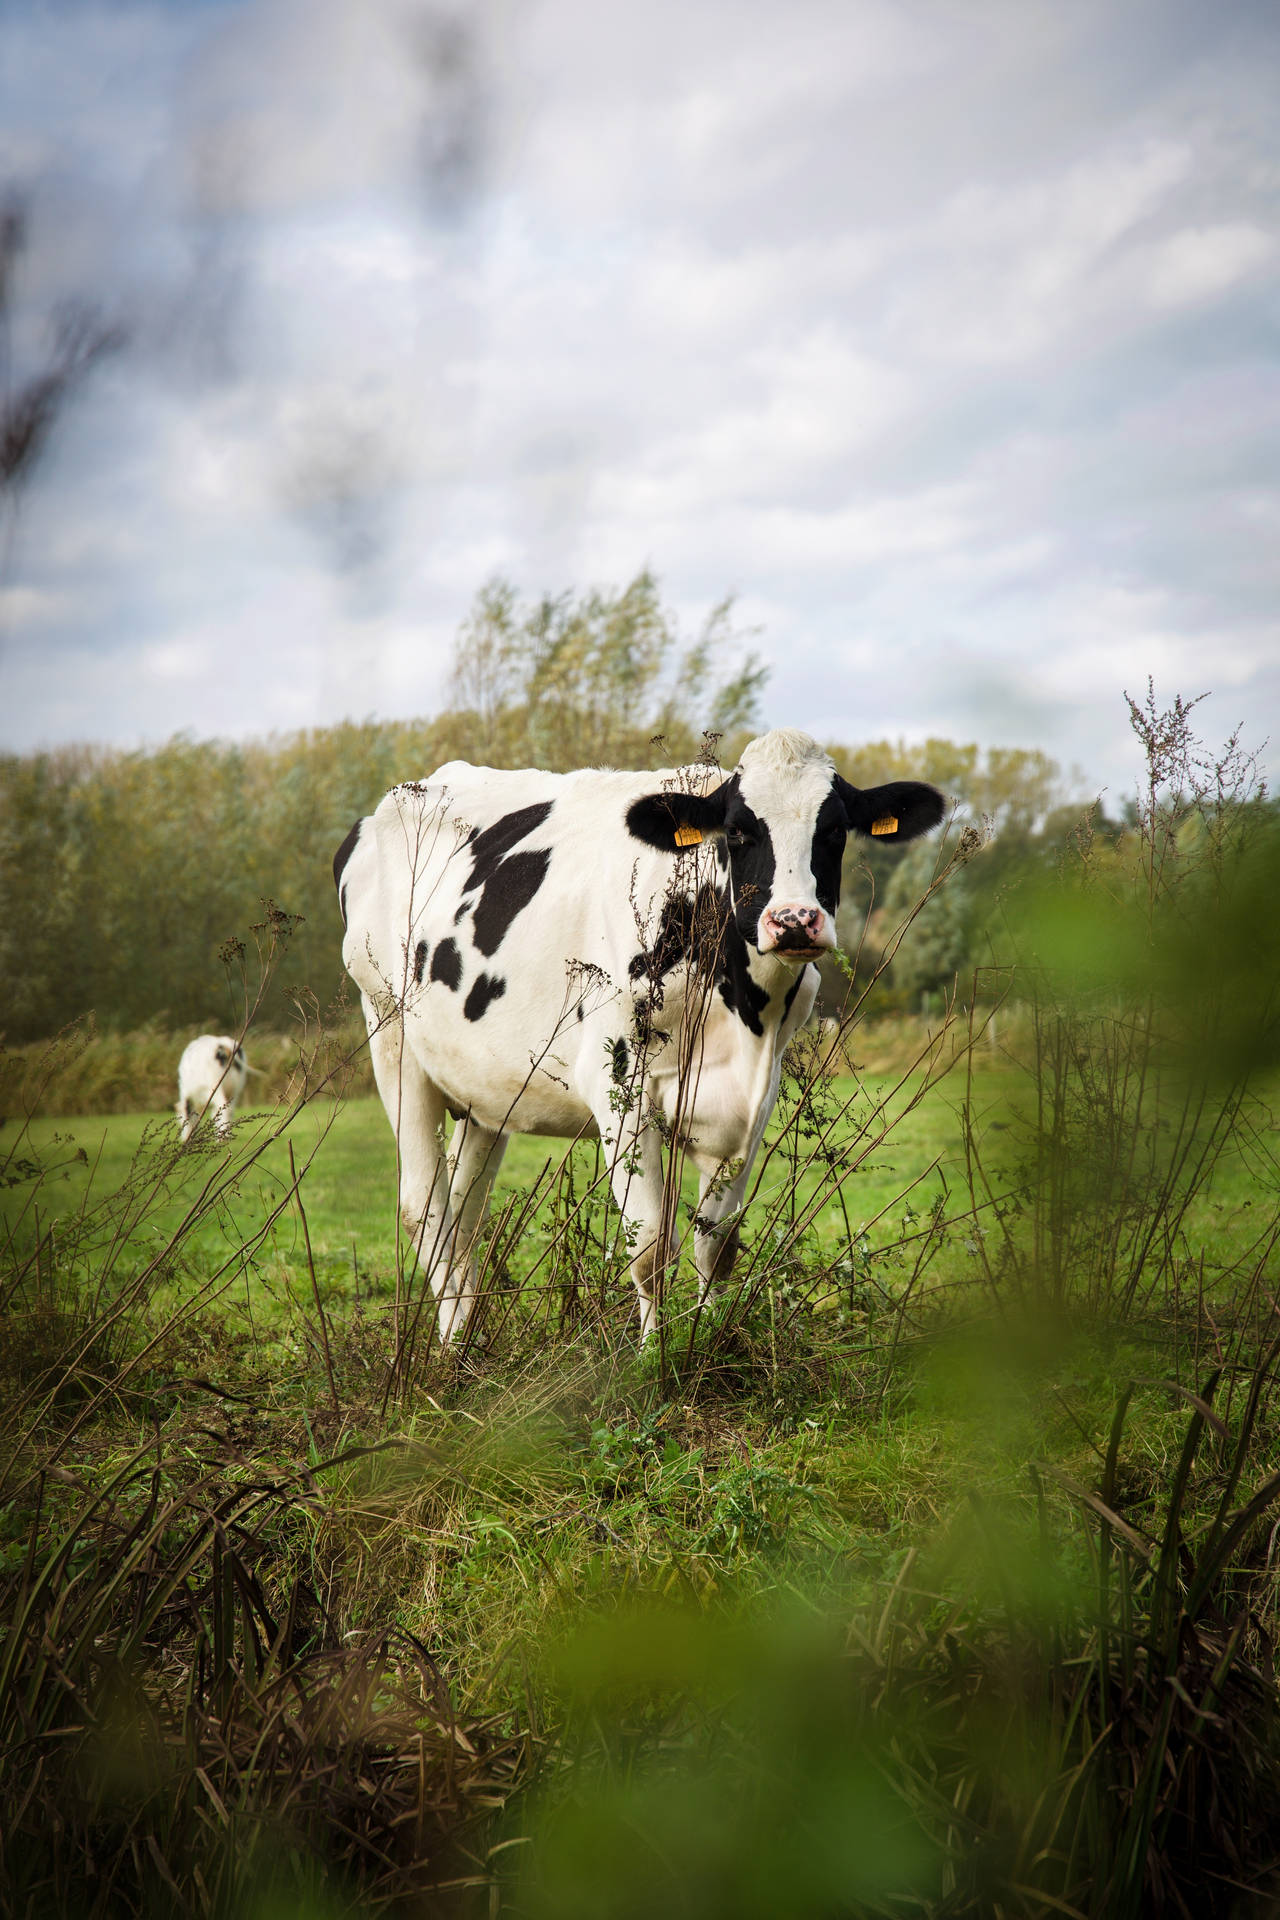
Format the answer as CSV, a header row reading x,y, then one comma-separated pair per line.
x,y
796,933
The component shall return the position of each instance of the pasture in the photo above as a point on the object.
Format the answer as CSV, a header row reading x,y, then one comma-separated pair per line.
x,y
347,1154
878,1582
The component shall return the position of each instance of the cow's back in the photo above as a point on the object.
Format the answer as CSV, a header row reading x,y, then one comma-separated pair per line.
x,y
504,911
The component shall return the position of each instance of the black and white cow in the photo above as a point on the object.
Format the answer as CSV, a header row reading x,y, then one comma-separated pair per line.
x,y
211,1077
621,954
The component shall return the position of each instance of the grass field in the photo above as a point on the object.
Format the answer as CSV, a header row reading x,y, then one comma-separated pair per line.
x,y
819,1608
350,1179
896,1140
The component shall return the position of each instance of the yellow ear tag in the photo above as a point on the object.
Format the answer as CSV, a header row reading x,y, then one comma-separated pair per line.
x,y
889,824
688,837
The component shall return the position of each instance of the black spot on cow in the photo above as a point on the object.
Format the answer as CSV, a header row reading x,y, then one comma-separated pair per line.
x,y
340,860
419,961
508,890
830,831
620,1060
701,929
484,991
221,1055
736,987
645,1031
446,965
751,861
579,1009
793,990
691,927
505,881
495,842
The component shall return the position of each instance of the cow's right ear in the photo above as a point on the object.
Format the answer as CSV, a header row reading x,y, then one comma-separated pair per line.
x,y
670,821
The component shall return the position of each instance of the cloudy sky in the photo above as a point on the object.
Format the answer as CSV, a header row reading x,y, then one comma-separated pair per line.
x,y
942,332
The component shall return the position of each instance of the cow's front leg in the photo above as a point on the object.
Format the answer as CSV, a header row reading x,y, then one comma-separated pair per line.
x,y
722,1194
715,1236
475,1154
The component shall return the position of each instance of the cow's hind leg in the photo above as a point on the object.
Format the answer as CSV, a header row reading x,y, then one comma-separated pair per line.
x,y
475,1154
415,1107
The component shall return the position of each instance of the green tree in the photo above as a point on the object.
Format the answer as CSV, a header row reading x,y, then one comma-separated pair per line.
x,y
939,944
122,875
592,679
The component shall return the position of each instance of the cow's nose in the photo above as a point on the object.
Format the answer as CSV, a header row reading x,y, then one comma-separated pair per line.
x,y
797,930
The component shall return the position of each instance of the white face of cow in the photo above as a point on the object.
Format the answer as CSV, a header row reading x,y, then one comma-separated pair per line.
x,y
784,833
782,819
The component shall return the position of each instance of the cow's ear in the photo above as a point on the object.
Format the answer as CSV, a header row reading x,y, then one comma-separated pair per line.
x,y
670,821
900,810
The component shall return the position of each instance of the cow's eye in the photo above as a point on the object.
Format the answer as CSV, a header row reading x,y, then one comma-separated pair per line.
x,y
737,836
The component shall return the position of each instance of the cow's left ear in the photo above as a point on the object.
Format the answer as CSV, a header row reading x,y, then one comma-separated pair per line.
x,y
900,810
670,821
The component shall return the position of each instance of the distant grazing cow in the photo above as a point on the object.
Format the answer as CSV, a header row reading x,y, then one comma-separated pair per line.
x,y
621,954
211,1076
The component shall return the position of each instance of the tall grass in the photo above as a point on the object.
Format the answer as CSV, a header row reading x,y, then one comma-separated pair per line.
x,y
1148,977
1076,1716
928,1569
184,1729
85,1071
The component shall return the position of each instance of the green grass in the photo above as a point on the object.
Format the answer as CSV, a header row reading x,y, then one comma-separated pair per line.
x,y
894,1415
852,1444
882,1196
350,1190
930,1570
348,1181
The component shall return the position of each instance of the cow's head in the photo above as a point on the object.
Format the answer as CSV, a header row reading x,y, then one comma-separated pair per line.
x,y
782,818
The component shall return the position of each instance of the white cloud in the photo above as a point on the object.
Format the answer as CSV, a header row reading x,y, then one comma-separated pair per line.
x,y
177,660
1020,269
939,332
1199,263
33,607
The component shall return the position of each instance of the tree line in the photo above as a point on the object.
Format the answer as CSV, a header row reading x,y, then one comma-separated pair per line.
x,y
128,878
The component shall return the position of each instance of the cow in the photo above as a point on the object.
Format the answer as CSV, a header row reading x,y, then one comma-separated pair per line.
x,y
211,1074
600,954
